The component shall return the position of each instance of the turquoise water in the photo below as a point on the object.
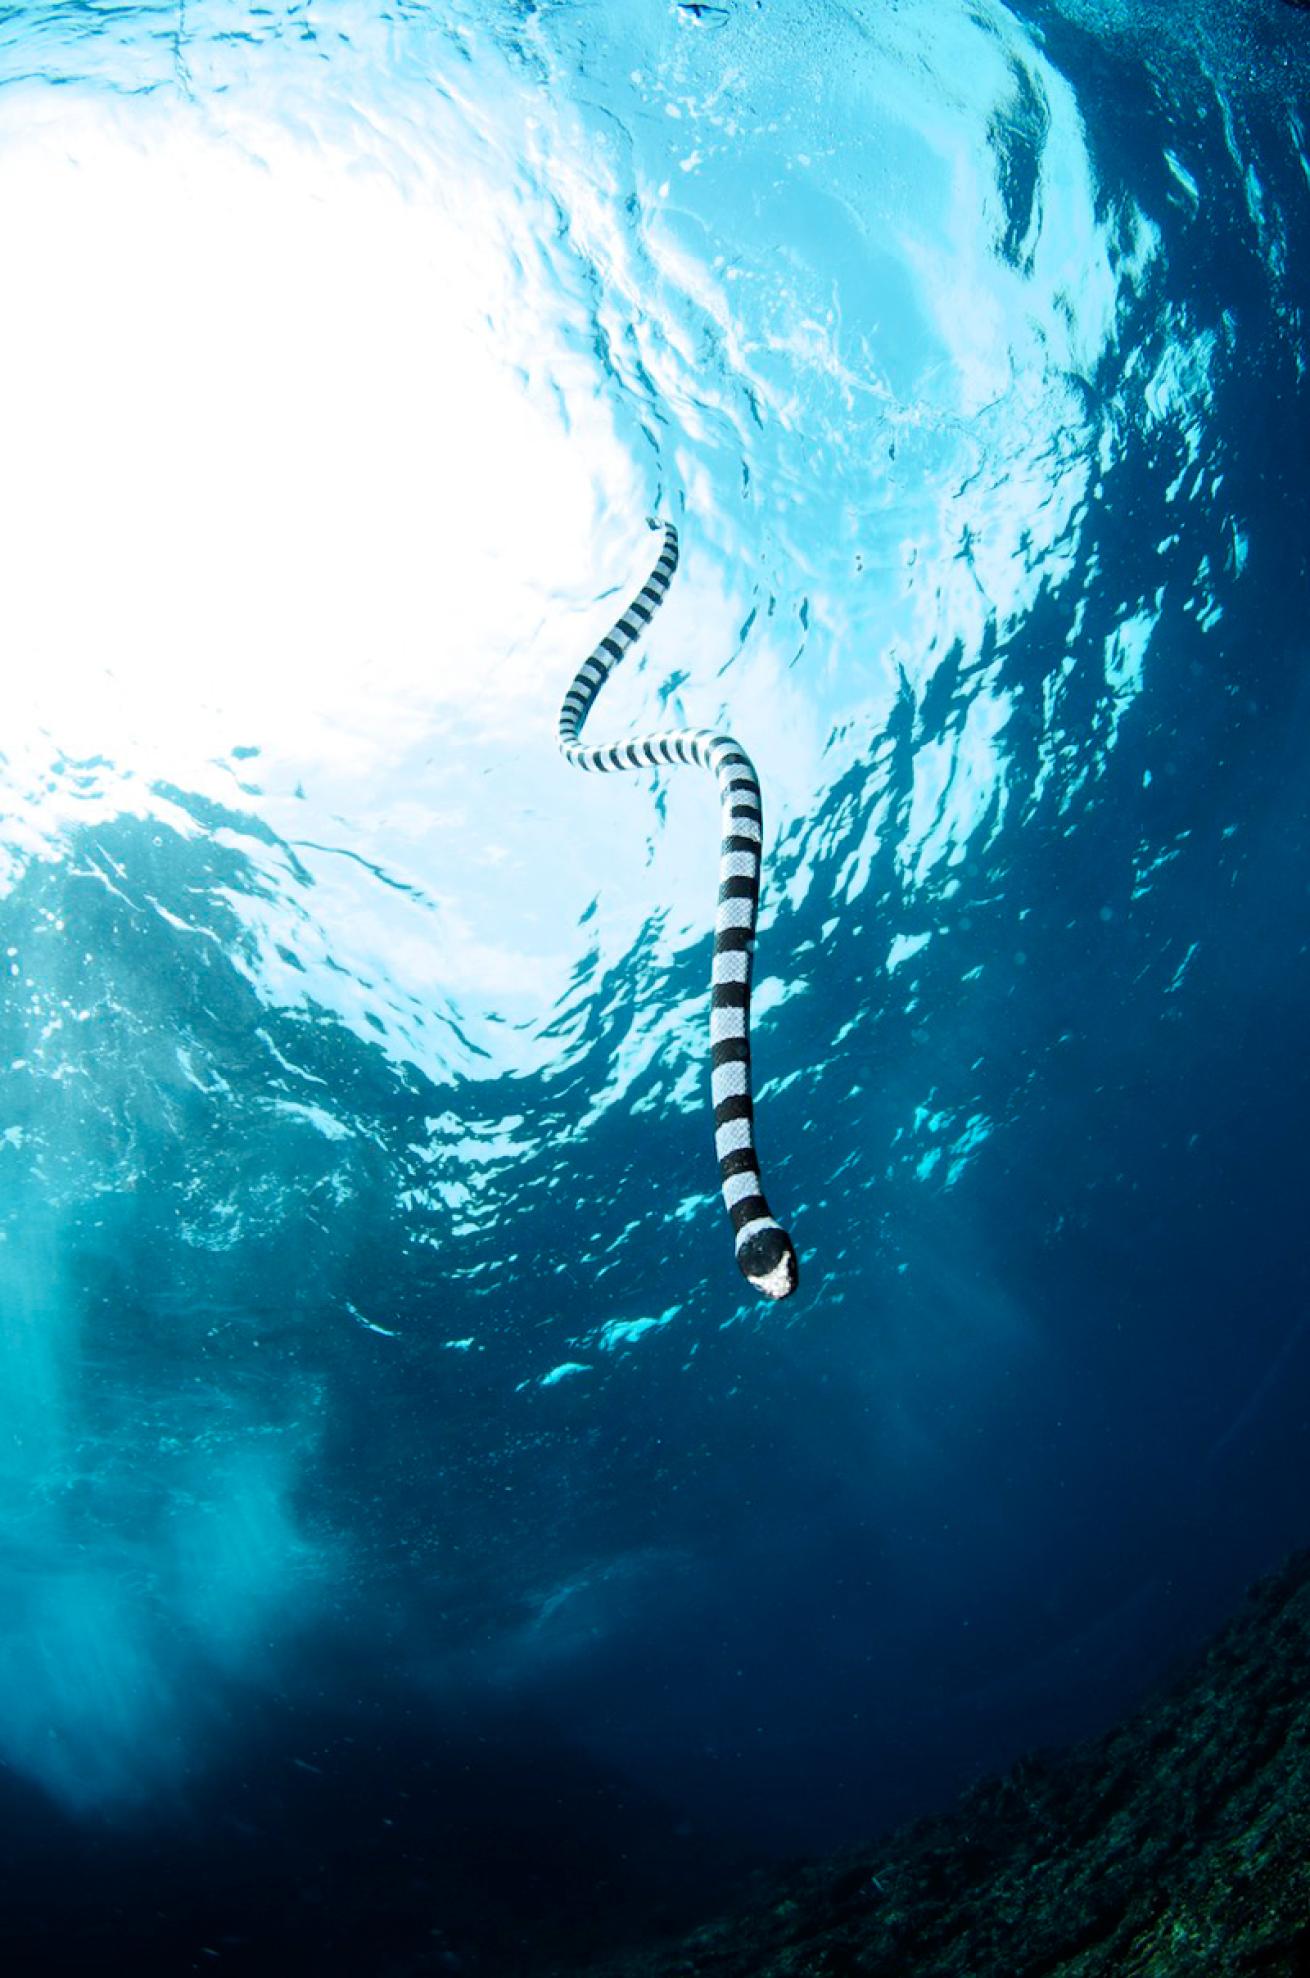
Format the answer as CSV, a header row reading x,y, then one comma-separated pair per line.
x,y
373,1367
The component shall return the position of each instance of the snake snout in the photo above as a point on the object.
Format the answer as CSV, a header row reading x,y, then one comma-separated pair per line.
x,y
768,1261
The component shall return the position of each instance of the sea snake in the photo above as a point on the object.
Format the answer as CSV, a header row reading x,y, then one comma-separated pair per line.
x,y
764,1249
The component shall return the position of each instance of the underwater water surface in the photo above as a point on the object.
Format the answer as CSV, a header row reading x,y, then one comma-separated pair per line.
x,y
394,1468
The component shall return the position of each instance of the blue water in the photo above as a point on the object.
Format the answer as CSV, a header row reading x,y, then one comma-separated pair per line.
x,y
388,1446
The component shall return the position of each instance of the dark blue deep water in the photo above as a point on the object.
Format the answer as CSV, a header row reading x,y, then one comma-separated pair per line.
x,y
412,1533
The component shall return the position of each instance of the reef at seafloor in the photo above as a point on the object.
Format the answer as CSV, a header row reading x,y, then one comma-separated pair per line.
x,y
1178,1843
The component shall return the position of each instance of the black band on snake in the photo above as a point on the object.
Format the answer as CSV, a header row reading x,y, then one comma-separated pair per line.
x,y
764,1249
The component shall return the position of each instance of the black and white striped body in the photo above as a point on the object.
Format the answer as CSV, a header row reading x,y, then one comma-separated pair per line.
x,y
764,1249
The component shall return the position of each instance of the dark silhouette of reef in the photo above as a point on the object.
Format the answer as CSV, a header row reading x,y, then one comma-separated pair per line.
x,y
361,1844
1177,1844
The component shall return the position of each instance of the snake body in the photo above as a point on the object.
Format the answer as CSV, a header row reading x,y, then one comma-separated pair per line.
x,y
764,1249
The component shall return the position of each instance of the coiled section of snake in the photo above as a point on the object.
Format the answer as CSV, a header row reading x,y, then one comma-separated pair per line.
x,y
764,1249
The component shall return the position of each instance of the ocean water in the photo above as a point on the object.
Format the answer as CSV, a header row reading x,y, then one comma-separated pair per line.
x,y
406,1511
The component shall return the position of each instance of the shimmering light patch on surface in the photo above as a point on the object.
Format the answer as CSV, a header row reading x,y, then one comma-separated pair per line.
x,y
1179,975
953,1139
322,1122
268,501
1125,661
957,783
627,1332
654,1027
565,1371
903,948
370,1325
464,1172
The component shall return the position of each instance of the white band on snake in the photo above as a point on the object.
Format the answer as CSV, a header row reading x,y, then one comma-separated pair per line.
x,y
764,1249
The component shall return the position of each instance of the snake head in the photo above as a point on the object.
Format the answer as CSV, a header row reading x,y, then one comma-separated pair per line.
x,y
768,1261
